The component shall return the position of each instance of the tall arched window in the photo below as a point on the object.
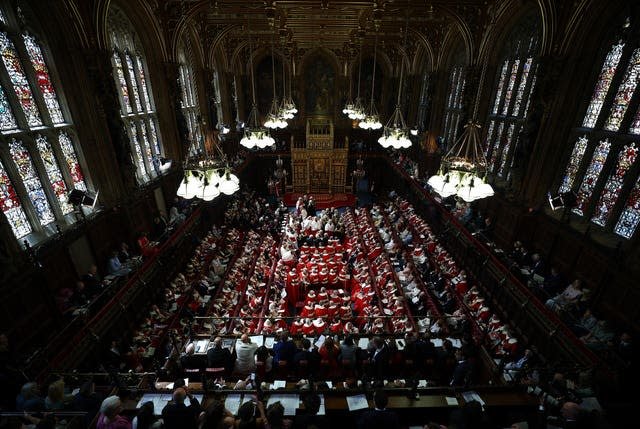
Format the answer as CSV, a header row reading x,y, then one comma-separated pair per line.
x,y
516,83
189,99
602,169
453,110
39,163
134,88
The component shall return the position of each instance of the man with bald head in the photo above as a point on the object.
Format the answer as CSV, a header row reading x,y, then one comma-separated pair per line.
x,y
176,415
219,357
245,355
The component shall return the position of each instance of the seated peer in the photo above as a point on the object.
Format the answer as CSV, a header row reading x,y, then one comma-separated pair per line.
x,y
264,356
600,337
92,280
80,297
29,398
115,267
283,350
245,351
570,296
218,356
190,360
309,354
147,248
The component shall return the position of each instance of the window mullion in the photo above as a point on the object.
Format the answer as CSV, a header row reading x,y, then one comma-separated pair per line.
x,y
625,191
503,90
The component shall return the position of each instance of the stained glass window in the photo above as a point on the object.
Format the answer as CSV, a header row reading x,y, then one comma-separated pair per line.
x,y
630,217
31,181
591,177
573,165
524,78
505,150
453,108
533,86
43,79
625,92
512,81
10,203
71,159
19,80
612,188
124,88
503,76
487,146
130,77
143,83
134,86
7,120
3,18
190,108
602,86
136,144
495,148
154,136
635,125
53,173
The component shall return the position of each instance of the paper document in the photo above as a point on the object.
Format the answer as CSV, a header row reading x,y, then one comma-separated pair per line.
x,y
422,383
258,339
451,401
201,346
455,342
400,344
437,342
321,410
187,402
233,402
320,341
290,402
363,343
472,396
269,342
357,402
279,384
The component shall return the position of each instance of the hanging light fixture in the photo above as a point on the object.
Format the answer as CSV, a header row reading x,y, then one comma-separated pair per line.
x,y
206,176
254,134
288,108
356,112
396,134
371,119
348,106
274,117
463,169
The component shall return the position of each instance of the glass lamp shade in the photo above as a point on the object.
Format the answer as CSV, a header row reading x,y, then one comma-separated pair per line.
x,y
211,190
436,182
247,141
194,187
229,184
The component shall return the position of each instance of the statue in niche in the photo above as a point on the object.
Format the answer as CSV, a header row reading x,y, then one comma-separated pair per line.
x,y
319,77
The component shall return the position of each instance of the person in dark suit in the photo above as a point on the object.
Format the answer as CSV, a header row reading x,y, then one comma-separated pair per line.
x,y
380,417
379,359
309,354
190,360
310,416
176,415
462,371
92,280
283,350
219,357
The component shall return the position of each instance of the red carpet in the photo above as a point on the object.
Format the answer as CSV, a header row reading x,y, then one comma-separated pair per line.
x,y
323,201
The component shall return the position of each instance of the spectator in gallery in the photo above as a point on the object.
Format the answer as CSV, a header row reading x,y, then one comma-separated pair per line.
x,y
92,280
124,254
110,417
569,297
115,267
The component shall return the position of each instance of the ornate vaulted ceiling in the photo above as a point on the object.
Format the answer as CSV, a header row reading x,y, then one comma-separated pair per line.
x,y
339,26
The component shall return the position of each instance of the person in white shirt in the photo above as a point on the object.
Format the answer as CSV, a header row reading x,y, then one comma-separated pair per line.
x,y
245,352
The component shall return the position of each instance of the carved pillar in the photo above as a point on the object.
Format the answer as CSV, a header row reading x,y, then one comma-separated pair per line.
x,y
11,256
172,73
99,69
534,149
